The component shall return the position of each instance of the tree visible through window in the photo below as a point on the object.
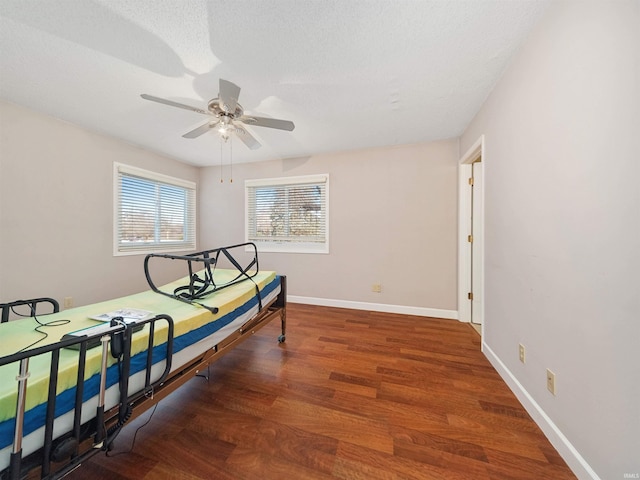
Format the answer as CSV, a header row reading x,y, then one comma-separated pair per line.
x,y
288,214
153,212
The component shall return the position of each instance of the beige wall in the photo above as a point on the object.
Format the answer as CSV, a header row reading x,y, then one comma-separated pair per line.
x,y
562,232
56,217
393,220
56,202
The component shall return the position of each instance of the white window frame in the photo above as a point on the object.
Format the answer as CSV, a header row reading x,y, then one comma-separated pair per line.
x,y
289,246
189,243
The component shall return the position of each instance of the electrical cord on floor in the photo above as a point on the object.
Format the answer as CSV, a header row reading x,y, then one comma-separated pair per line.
x,y
52,323
133,442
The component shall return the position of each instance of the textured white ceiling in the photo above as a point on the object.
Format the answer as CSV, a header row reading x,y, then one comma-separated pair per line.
x,y
350,74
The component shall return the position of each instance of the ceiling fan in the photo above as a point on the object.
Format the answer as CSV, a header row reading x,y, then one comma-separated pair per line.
x,y
228,116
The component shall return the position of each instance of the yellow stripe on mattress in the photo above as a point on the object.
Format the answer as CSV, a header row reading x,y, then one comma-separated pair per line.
x,y
17,335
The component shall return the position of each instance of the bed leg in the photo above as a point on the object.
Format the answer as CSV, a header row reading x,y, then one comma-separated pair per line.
x,y
281,303
283,318
207,376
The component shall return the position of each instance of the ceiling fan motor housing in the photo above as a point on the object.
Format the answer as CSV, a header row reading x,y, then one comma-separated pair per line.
x,y
216,109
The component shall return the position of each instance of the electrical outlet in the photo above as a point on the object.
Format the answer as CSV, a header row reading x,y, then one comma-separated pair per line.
x,y
521,352
376,287
551,381
68,302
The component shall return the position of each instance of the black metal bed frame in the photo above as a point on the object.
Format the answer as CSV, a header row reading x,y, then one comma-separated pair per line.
x,y
8,308
71,447
207,260
60,456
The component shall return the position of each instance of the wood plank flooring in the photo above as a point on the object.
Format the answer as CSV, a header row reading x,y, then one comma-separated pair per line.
x,y
350,395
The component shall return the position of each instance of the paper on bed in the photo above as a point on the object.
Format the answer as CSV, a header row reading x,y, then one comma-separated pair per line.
x,y
126,313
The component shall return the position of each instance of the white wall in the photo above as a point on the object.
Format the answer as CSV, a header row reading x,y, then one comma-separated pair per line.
x,y
56,203
393,221
562,131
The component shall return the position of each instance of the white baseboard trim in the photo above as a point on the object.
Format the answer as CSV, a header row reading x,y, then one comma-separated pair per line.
x,y
567,451
376,307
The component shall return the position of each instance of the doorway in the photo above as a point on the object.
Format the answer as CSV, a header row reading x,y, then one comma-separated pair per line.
x,y
471,236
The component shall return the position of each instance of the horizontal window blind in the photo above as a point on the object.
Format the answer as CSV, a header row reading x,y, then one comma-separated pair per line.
x,y
290,213
153,212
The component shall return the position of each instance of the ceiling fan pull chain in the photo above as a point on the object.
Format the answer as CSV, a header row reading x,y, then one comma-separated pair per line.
x,y
221,180
231,160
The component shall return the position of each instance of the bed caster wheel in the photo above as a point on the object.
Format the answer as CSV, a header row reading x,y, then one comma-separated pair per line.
x,y
281,339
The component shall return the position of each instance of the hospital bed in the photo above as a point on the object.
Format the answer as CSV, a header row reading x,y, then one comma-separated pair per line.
x,y
69,383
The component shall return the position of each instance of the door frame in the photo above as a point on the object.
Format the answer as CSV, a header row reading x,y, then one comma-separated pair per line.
x,y
475,152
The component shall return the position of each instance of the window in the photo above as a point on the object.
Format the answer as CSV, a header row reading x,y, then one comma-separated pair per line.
x,y
288,214
152,212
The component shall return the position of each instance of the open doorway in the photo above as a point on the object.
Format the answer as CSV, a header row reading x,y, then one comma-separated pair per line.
x,y
471,236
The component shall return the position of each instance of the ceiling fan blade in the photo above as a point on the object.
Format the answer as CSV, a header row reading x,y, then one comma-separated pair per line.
x,y
173,104
196,132
267,122
247,139
228,95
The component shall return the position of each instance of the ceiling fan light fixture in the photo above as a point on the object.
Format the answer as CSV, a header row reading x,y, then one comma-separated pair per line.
x,y
225,128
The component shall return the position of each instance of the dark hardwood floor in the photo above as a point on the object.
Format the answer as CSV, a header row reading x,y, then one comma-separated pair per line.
x,y
350,395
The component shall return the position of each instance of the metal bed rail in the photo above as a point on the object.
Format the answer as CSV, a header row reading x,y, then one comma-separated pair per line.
x,y
200,266
8,308
99,432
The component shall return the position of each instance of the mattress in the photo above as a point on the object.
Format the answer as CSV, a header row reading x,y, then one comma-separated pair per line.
x,y
196,330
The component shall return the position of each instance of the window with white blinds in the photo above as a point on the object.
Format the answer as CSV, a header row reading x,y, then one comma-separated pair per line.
x,y
152,212
288,214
